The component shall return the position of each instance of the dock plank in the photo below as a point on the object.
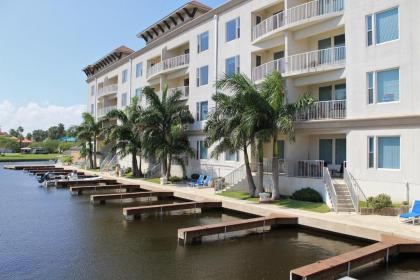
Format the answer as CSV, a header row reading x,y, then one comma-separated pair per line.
x,y
66,183
80,189
101,198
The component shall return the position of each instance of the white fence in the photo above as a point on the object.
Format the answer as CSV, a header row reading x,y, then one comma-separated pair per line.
x,y
260,72
167,64
333,109
268,25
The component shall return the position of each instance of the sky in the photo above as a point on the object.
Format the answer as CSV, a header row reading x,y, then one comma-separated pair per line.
x,y
44,44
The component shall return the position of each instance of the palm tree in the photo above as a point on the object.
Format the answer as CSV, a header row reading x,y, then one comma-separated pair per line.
x,y
125,133
235,123
273,92
164,120
87,132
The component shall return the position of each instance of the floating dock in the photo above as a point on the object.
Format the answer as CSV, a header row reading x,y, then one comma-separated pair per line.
x,y
102,198
22,167
78,190
333,267
130,213
195,234
95,182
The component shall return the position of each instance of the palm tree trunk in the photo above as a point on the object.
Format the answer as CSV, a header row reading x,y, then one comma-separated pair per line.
x,y
140,172
94,151
251,184
168,174
164,167
260,168
90,155
134,166
275,172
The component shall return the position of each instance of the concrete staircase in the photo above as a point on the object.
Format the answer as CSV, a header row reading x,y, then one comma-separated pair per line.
x,y
344,202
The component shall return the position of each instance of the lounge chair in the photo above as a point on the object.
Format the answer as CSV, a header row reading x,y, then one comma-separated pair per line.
x,y
198,181
412,215
205,182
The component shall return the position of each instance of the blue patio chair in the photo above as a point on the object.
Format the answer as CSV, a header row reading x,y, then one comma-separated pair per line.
x,y
413,214
198,181
207,181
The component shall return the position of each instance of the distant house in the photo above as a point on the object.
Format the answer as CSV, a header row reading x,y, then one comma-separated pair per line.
x,y
39,150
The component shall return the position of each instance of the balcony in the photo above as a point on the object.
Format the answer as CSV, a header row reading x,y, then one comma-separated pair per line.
x,y
321,110
185,90
260,72
294,168
314,61
105,110
295,16
107,90
167,65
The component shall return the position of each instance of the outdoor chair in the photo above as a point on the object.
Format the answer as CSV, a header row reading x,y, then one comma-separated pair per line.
x,y
412,215
197,182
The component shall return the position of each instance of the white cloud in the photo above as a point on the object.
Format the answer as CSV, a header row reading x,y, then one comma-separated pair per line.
x,y
35,116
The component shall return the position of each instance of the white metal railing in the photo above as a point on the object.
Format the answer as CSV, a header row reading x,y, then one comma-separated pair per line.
x,y
330,189
333,109
305,168
272,23
167,64
313,9
108,89
235,176
260,72
316,60
105,110
109,163
184,89
153,171
355,190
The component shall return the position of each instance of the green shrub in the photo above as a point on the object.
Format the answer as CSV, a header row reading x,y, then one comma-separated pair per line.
x,y
380,201
405,203
175,179
128,170
307,194
64,146
50,145
67,160
195,176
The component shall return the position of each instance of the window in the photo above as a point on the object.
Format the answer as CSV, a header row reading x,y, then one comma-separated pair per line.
x,y
202,76
202,110
340,92
389,152
232,66
202,150
139,70
231,156
370,87
325,150
92,109
92,90
384,25
280,148
383,86
233,29
124,76
138,93
371,152
203,42
124,99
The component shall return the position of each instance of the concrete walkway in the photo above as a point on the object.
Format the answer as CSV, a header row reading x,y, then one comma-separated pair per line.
x,y
367,227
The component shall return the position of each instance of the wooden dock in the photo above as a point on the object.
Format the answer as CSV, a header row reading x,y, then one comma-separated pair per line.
x,y
78,190
333,267
22,167
131,213
95,182
102,198
195,234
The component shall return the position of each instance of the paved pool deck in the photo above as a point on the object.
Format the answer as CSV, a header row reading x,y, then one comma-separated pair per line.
x,y
367,227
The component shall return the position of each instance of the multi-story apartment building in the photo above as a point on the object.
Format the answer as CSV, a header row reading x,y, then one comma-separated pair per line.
x,y
357,58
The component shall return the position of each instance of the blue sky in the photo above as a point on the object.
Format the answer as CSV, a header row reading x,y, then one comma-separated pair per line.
x,y
45,44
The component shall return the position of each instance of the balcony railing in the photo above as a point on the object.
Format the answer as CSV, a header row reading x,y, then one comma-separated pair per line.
x,y
313,9
108,89
333,109
105,110
185,90
296,14
272,23
167,64
260,72
316,60
299,168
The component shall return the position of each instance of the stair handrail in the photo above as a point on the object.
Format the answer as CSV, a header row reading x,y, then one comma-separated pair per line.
x,y
152,170
235,175
110,164
356,191
105,162
330,189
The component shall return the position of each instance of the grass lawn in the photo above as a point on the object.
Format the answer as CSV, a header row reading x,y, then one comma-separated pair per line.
x,y
153,180
27,157
286,202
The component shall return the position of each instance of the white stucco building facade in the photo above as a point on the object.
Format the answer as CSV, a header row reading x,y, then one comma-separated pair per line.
x,y
358,58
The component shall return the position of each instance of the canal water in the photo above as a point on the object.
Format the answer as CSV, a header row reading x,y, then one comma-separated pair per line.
x,y
49,234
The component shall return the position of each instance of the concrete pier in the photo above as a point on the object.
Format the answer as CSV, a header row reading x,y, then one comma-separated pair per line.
x,y
102,198
195,234
78,190
130,213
